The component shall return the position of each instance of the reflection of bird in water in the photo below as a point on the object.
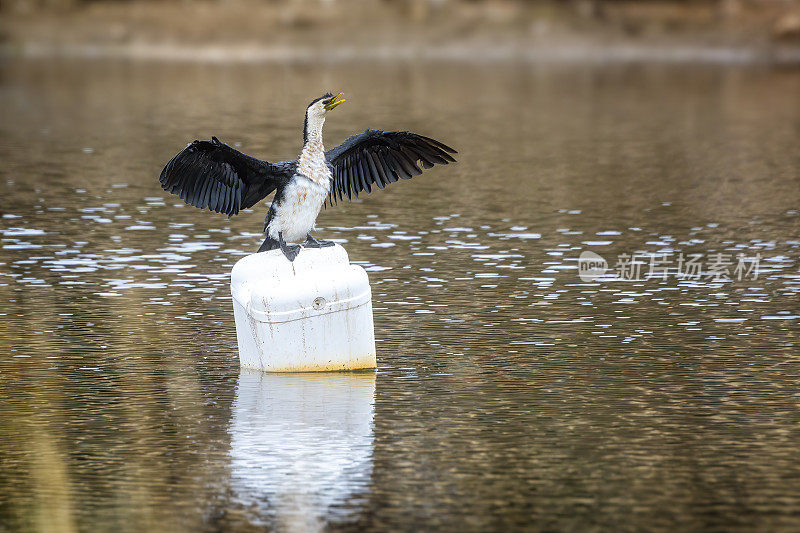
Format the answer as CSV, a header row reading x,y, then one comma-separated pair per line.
x,y
214,175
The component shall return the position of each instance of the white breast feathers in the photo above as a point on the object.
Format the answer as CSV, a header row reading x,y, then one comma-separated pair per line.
x,y
312,164
297,209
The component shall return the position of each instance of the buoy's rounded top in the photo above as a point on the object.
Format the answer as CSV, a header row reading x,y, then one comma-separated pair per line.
x,y
319,280
274,264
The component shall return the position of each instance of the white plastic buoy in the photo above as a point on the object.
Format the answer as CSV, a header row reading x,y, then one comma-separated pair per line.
x,y
313,314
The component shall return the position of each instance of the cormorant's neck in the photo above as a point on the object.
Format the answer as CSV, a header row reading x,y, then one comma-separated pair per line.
x,y
312,129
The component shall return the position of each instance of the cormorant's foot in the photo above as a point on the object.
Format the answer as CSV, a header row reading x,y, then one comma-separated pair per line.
x,y
311,242
289,250
269,244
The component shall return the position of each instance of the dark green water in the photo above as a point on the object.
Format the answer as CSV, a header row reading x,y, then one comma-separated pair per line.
x,y
511,394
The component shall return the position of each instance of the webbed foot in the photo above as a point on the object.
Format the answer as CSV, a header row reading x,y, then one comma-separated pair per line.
x,y
311,242
289,250
269,244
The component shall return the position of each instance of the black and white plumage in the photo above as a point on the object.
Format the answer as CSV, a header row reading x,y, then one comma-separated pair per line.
x,y
211,174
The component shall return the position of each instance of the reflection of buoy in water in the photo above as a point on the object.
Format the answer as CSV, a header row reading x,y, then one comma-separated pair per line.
x,y
301,445
311,314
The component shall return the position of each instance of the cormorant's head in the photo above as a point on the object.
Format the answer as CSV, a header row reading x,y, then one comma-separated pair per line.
x,y
319,106
316,111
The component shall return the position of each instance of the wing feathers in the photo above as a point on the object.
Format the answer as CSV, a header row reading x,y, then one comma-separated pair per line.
x,y
362,175
382,158
388,174
374,170
214,175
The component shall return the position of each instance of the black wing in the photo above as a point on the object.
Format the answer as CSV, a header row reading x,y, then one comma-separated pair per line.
x,y
382,157
214,175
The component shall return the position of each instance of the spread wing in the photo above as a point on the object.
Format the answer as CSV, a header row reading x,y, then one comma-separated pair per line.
x,y
214,175
381,157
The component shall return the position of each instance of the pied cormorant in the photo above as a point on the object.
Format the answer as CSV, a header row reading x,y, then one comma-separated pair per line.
x,y
214,175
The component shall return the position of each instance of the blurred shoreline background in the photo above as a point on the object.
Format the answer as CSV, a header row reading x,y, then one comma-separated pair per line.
x,y
726,31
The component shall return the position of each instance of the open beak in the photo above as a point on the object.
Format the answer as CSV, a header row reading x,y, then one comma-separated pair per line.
x,y
333,102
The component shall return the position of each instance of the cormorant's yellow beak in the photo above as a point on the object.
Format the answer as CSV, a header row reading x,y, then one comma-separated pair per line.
x,y
333,102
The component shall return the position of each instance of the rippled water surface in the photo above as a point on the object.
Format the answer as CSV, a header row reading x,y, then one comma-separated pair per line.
x,y
511,393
